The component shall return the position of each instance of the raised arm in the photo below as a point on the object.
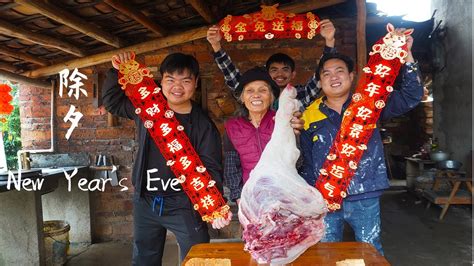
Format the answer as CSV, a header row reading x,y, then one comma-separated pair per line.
x,y
223,61
411,91
114,98
310,91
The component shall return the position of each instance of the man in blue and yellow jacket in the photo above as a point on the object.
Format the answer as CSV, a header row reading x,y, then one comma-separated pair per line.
x,y
360,209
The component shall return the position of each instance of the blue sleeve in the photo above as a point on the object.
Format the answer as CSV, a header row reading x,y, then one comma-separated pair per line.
x,y
407,98
307,170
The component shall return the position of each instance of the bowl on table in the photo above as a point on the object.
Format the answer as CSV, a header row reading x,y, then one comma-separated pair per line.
x,y
449,165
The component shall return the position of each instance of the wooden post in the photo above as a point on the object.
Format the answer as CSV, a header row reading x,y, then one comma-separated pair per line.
x,y
361,37
206,83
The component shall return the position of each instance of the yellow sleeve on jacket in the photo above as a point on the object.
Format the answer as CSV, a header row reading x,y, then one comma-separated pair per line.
x,y
313,114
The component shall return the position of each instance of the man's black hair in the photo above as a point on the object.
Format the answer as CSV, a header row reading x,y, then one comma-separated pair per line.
x,y
346,59
282,59
179,62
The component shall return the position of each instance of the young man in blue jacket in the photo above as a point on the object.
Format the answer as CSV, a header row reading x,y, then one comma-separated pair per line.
x,y
360,209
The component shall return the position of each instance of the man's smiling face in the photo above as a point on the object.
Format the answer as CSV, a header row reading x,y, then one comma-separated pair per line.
x,y
282,74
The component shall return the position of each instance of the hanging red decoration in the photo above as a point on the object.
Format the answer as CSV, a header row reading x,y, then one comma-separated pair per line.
x,y
5,98
269,23
152,108
361,116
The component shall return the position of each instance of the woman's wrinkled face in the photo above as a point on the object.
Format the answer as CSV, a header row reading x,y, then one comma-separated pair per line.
x,y
257,96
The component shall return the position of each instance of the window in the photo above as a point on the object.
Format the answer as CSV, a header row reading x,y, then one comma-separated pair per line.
x,y
10,132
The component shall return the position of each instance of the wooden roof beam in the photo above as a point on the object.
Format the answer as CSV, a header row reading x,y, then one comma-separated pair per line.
x,y
24,80
8,67
21,33
136,15
203,10
23,56
149,46
69,19
309,5
160,43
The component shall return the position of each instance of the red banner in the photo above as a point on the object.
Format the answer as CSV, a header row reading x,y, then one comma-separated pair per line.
x,y
152,108
361,116
268,24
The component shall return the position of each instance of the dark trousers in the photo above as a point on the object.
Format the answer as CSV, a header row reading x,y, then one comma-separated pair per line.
x,y
149,228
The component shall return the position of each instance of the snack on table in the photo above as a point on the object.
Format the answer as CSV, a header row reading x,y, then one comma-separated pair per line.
x,y
208,262
351,262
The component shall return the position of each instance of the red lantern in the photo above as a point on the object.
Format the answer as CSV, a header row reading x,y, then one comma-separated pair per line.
x,y
268,24
5,98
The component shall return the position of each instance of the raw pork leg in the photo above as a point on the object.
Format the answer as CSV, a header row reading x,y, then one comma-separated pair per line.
x,y
281,214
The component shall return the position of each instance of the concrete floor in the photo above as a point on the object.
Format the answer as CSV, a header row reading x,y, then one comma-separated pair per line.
x,y
411,235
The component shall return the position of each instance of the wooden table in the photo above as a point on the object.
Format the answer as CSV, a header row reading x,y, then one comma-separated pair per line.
x,y
319,254
446,199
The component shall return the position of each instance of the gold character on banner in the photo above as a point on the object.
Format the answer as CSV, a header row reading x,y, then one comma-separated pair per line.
x,y
152,111
165,129
348,150
382,70
207,201
356,129
174,146
363,112
143,92
240,27
337,171
260,26
197,183
372,89
185,162
278,25
329,188
297,25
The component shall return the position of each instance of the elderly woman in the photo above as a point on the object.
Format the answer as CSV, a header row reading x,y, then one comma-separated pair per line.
x,y
247,135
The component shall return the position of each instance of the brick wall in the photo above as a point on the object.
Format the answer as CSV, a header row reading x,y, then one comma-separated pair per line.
x,y
112,209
